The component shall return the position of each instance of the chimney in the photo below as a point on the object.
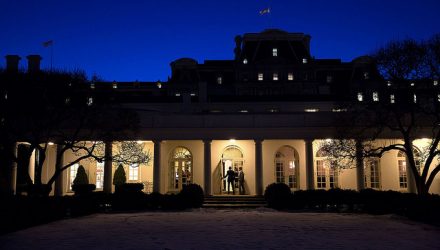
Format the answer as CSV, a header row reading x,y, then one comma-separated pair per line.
x,y
12,63
33,63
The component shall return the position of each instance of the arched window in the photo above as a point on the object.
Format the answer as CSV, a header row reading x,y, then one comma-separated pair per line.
x,y
181,164
232,157
402,166
286,166
326,171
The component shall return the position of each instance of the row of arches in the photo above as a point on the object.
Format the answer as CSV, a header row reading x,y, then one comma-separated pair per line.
x,y
286,168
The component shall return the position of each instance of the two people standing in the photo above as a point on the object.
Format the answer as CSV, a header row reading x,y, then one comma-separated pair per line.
x,y
231,175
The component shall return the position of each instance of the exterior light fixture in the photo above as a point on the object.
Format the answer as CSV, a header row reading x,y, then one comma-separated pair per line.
x,y
139,142
232,141
311,110
50,143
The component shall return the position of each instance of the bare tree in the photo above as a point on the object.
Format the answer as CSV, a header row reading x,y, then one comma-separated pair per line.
x,y
408,110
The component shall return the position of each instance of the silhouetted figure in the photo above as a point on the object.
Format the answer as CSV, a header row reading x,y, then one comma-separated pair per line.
x,y
241,189
231,178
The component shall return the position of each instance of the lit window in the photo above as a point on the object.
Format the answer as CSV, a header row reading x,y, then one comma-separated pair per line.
x,y
193,94
286,167
375,96
177,94
290,77
392,99
388,83
90,101
366,75
360,97
415,98
133,172
339,110
219,80
115,85
438,97
67,100
260,77
274,52
311,110
403,178
72,174
273,110
329,79
413,84
159,85
99,175
245,61
244,111
435,82
92,85
372,173
6,96
275,76
305,60
326,172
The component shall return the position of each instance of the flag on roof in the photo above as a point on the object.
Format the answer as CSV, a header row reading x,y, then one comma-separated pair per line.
x,y
265,11
48,43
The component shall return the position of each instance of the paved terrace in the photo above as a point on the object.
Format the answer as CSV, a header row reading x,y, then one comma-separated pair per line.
x,y
227,229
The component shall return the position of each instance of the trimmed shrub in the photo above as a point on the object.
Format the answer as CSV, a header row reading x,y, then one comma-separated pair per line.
x,y
81,176
81,184
278,195
119,178
192,196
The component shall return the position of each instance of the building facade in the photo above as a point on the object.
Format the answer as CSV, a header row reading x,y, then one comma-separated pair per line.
x,y
267,111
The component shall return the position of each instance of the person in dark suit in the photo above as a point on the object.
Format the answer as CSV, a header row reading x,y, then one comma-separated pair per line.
x,y
241,181
231,177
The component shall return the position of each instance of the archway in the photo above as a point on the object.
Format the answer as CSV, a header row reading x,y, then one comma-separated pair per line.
x,y
232,156
180,168
286,165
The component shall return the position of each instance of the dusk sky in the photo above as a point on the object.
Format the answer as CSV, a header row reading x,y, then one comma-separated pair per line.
x,y
136,40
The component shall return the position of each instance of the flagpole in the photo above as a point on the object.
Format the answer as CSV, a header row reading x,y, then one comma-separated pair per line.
x,y
51,58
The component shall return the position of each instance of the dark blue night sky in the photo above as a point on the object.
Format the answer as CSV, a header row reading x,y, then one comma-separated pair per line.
x,y
136,40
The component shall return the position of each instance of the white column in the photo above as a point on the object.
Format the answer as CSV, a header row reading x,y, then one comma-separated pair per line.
x,y
108,168
59,182
310,174
32,166
12,169
360,174
156,166
258,167
207,169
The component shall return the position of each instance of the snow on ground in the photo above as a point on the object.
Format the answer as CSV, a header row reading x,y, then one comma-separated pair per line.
x,y
227,229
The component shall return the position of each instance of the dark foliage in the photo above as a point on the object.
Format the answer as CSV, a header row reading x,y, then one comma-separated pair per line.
x,y
119,177
278,195
129,188
83,189
192,196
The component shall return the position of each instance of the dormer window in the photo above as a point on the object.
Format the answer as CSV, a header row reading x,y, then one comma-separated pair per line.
x,y
360,96
305,61
115,85
245,61
392,99
329,79
366,75
290,77
219,80
375,96
435,82
92,85
90,101
275,76
274,52
260,77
